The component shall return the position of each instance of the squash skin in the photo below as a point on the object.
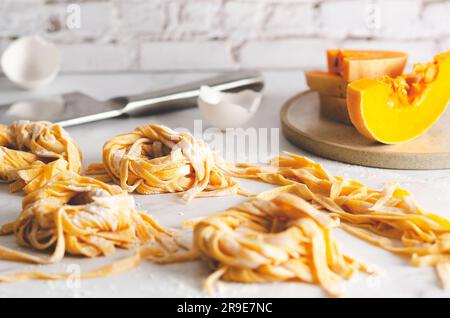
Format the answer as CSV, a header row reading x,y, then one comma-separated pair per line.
x,y
378,114
352,65
326,83
334,108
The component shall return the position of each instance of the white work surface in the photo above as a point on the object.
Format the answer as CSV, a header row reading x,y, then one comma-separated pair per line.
x,y
398,279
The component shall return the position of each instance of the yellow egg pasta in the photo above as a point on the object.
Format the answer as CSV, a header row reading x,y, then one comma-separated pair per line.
x,y
284,234
155,159
389,218
27,147
5,136
275,237
81,216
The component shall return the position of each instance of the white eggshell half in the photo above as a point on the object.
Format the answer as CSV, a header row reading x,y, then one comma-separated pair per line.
x,y
31,62
228,110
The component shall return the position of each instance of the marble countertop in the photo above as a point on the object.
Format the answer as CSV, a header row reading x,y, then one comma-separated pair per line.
x,y
398,278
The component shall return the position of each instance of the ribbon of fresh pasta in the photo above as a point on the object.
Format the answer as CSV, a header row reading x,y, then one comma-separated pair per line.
x,y
275,237
155,159
5,136
389,218
28,151
82,216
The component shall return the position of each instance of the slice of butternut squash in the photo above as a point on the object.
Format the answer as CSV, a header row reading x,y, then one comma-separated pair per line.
x,y
326,83
395,110
353,65
334,108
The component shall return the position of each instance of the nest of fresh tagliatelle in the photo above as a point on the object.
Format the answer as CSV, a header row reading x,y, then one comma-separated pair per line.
x,y
274,237
156,159
82,216
32,152
389,218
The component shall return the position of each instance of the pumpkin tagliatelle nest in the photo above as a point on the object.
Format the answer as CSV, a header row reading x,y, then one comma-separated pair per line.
x,y
32,152
81,216
275,237
155,159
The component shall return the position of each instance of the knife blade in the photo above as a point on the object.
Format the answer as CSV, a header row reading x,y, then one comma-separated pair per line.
x,y
77,108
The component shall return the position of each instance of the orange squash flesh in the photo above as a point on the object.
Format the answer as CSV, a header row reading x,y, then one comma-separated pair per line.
x,y
353,65
395,110
326,83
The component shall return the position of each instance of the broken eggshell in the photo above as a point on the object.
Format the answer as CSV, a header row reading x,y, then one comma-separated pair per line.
x,y
31,62
228,110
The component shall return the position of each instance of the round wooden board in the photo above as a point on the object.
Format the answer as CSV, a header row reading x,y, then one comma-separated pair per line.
x,y
303,125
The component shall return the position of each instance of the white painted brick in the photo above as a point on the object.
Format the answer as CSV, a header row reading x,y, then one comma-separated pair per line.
x,y
193,18
267,34
243,20
281,1
436,17
339,19
88,57
383,18
96,19
290,19
400,19
419,51
286,54
21,18
140,17
164,56
96,23
26,17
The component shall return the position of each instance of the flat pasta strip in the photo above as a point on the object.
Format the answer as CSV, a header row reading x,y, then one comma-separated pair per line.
x,y
86,217
32,152
389,218
155,159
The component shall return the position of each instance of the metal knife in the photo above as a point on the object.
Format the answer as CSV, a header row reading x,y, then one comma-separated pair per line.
x,y
77,108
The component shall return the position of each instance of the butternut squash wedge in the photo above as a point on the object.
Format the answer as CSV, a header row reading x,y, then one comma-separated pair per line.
x,y
326,83
395,110
353,65
334,108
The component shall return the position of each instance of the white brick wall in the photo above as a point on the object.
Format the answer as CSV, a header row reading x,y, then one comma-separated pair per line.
x,y
176,55
120,35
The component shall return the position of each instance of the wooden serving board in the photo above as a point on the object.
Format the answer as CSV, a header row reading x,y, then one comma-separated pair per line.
x,y
303,125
